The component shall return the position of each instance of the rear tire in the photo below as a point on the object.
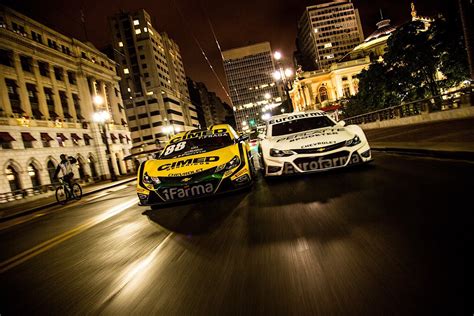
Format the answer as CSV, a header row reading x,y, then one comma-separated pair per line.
x,y
62,195
77,191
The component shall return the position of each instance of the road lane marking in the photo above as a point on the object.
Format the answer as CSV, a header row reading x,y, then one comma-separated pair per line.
x,y
134,270
120,187
97,196
30,253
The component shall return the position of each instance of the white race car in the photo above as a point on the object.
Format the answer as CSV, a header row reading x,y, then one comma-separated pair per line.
x,y
311,141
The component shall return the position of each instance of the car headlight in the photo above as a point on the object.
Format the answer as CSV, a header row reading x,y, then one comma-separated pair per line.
x,y
354,141
280,153
229,165
150,180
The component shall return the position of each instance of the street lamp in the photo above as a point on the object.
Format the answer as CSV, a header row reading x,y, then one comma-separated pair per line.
x,y
284,75
101,118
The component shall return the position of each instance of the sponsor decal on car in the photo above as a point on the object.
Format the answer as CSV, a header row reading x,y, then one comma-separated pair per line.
x,y
321,163
316,133
187,191
188,162
184,174
295,117
318,144
200,134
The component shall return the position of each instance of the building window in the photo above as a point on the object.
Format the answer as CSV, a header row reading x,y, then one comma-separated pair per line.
x,y
27,140
6,140
26,63
13,96
46,139
52,44
65,104
77,106
136,22
71,76
138,31
48,93
6,57
36,37
58,73
61,139
13,178
126,71
51,170
43,68
120,44
20,29
34,176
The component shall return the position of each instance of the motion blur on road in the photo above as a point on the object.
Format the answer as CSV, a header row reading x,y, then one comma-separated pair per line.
x,y
391,237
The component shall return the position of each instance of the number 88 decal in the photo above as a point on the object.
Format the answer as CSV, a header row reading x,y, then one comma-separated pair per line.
x,y
171,148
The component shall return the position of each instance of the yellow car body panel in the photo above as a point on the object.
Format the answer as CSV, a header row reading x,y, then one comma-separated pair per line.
x,y
195,171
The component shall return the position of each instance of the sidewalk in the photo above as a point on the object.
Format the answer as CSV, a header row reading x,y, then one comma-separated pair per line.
x,y
24,206
452,139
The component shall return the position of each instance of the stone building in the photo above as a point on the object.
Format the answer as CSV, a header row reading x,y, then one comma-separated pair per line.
x,y
50,87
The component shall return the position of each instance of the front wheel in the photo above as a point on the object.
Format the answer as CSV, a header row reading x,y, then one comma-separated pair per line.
x,y
77,191
62,195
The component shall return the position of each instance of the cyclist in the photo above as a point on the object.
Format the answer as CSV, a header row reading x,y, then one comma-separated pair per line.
x,y
65,168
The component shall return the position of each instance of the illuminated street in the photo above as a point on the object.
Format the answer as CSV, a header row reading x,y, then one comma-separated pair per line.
x,y
387,238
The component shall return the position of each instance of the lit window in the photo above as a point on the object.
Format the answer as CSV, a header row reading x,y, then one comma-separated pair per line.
x,y
327,45
151,32
125,71
136,22
138,31
120,44
129,90
145,29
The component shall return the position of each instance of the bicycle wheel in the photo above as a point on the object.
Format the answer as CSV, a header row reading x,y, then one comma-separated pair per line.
x,y
77,191
62,195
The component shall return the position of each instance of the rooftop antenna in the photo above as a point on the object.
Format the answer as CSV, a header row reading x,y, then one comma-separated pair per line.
x,y
83,20
381,15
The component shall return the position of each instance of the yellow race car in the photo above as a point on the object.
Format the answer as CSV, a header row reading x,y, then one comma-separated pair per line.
x,y
195,164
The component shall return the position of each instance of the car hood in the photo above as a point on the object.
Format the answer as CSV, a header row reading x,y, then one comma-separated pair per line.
x,y
190,165
320,137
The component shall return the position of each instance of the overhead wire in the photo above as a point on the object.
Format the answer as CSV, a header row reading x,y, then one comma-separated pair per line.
x,y
201,49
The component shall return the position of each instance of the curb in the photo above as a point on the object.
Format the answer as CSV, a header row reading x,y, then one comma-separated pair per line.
x,y
41,207
443,154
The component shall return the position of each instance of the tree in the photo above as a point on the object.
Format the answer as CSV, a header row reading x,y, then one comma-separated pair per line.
x,y
415,57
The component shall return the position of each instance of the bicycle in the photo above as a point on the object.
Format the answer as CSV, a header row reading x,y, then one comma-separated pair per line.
x,y
65,193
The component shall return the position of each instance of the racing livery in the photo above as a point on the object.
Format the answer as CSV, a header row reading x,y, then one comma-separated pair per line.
x,y
311,141
195,164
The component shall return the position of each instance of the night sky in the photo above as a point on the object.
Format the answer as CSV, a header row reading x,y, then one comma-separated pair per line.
x,y
236,23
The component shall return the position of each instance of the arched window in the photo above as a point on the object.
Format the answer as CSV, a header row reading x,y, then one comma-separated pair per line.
x,y
93,168
34,175
13,178
323,94
51,169
80,164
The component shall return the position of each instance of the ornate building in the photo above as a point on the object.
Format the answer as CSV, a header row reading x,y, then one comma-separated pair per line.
x,y
48,82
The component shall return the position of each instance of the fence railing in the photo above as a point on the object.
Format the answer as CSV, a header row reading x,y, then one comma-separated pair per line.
x,y
448,101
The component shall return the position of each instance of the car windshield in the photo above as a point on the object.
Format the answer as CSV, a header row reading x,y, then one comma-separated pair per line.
x,y
300,125
197,145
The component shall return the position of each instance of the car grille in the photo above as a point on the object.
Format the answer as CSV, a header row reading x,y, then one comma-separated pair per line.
x,y
319,149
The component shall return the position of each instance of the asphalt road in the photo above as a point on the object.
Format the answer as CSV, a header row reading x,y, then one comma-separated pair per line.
x,y
393,237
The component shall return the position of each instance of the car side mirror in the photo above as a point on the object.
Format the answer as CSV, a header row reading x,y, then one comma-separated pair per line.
x,y
341,123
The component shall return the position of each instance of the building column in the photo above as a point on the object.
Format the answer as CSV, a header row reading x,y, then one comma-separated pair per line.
x,y
58,106
351,85
6,106
23,93
113,105
85,98
43,107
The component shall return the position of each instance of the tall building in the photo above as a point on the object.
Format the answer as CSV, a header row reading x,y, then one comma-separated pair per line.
x,y
153,81
249,71
48,82
326,32
214,111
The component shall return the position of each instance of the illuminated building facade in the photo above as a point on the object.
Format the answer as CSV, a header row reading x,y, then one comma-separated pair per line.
x,y
47,85
326,32
154,87
249,71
